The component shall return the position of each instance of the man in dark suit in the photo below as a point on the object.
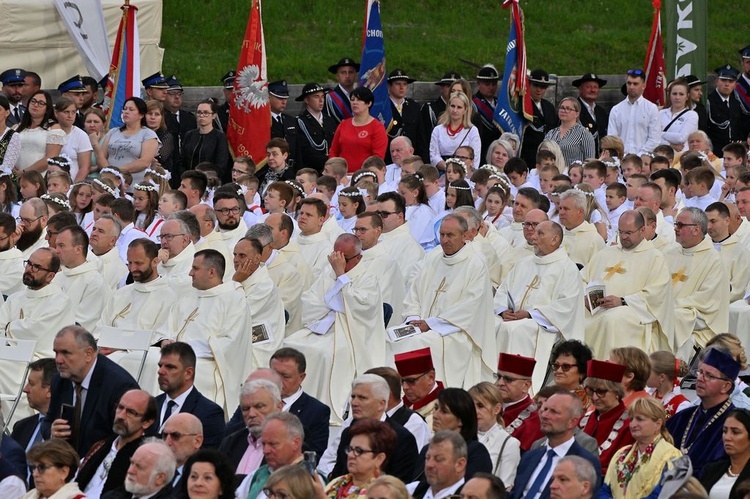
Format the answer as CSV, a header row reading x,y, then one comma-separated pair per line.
x,y
176,376
316,129
283,125
337,105
27,431
484,102
150,473
726,121
183,434
545,116
104,467
593,116
404,111
559,417
87,386
444,467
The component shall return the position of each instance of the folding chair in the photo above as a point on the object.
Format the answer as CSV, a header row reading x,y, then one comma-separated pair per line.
x,y
21,351
138,340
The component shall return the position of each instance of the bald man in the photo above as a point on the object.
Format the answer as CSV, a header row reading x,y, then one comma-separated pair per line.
x,y
649,232
540,301
342,304
530,222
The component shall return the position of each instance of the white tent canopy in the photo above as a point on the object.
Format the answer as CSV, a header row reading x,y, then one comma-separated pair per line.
x,y
33,37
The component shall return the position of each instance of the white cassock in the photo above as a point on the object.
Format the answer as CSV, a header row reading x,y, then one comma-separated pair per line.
x,y
140,306
743,232
177,269
266,309
344,334
40,243
739,318
11,271
515,255
392,286
701,296
332,229
491,258
315,249
664,245
231,237
86,291
513,234
112,268
549,287
641,276
663,228
454,296
292,276
215,241
400,242
216,323
582,242
128,234
501,248
736,260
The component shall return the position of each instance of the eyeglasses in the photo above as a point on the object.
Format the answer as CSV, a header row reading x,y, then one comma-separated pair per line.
x,y
227,211
358,451
709,376
564,367
463,158
680,225
41,468
628,232
203,113
385,214
360,230
37,102
237,171
169,237
413,381
175,435
567,109
530,225
27,221
130,412
35,266
636,72
277,494
600,392
508,379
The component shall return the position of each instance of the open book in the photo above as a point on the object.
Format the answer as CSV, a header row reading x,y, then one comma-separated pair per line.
x,y
594,293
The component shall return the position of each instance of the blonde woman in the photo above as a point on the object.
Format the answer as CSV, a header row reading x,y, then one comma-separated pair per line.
x,y
453,131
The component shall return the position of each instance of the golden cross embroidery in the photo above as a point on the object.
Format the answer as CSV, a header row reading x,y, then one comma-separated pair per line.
x,y
610,271
533,285
193,315
121,314
679,276
442,288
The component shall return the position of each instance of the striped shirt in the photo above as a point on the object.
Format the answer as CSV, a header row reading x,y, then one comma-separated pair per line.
x,y
577,144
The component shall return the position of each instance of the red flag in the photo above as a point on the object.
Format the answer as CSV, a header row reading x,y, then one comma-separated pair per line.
x,y
249,128
656,80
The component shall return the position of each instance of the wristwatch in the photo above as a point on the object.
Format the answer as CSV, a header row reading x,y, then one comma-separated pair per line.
x,y
623,302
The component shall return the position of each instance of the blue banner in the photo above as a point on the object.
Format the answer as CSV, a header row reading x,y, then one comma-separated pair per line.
x,y
509,111
372,73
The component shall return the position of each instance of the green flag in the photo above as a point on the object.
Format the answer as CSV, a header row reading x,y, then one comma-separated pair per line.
x,y
685,29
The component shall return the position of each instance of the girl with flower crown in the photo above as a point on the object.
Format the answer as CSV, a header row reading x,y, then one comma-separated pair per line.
x,y
351,204
146,204
418,211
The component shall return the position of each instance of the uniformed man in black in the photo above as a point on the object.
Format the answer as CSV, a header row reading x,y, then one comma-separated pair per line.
x,y
545,116
485,101
593,116
404,111
179,122
337,105
315,128
283,125
13,82
74,89
743,82
430,113
726,121
156,87
222,117
695,100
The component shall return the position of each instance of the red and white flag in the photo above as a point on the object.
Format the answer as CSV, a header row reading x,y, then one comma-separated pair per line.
x,y
249,128
124,80
656,79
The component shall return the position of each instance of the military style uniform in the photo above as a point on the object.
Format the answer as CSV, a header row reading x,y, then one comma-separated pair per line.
x,y
404,121
484,113
545,119
726,121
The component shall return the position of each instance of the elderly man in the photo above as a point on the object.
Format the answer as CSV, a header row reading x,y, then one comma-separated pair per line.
x,y
11,259
486,242
106,465
28,431
150,474
649,195
444,467
400,148
210,237
540,301
695,430
80,279
344,301
421,389
313,242
183,434
699,284
396,234
734,255
176,253
449,306
559,417
636,308
526,200
573,478
103,242
581,239
84,392
213,319
258,399
520,417
262,298
528,226
32,225
593,116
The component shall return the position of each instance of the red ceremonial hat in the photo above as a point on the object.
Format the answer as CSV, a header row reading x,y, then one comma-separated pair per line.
x,y
516,364
606,370
414,362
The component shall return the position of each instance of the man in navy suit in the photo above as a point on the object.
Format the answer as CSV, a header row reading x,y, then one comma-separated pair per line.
x,y
176,376
559,417
28,431
86,383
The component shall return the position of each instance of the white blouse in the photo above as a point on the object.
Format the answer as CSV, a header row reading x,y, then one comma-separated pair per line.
x,y
680,129
34,144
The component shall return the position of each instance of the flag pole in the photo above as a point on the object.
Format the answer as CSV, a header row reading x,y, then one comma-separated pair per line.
x,y
114,71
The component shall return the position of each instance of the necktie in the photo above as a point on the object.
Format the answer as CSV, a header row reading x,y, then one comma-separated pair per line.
x,y
170,407
77,408
541,478
176,479
17,114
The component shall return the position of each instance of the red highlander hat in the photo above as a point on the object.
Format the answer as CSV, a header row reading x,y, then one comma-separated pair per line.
x,y
414,362
606,370
516,364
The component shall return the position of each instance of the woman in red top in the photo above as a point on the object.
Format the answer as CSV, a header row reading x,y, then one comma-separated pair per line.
x,y
361,136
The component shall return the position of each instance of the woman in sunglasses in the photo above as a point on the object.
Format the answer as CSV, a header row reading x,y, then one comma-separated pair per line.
x,y
53,464
569,359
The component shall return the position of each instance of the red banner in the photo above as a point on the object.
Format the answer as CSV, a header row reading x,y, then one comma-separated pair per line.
x,y
656,80
249,128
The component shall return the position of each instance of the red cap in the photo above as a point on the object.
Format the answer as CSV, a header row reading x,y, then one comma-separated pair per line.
x,y
414,362
606,370
516,364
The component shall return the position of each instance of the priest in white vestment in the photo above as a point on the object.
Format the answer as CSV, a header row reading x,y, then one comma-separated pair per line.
x,y
263,300
214,320
515,254
649,232
526,200
210,237
229,211
450,303
80,279
740,210
636,309
103,242
344,330
396,234
734,255
700,285
650,196
176,253
330,227
482,244
540,302
11,259
581,239
315,244
32,222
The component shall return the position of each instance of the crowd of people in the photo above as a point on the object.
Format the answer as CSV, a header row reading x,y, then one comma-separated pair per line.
x,y
433,309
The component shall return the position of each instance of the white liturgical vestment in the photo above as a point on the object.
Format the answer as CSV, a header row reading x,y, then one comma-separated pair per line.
x,y
315,249
177,269
405,249
392,286
266,310
112,268
582,242
86,291
11,271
